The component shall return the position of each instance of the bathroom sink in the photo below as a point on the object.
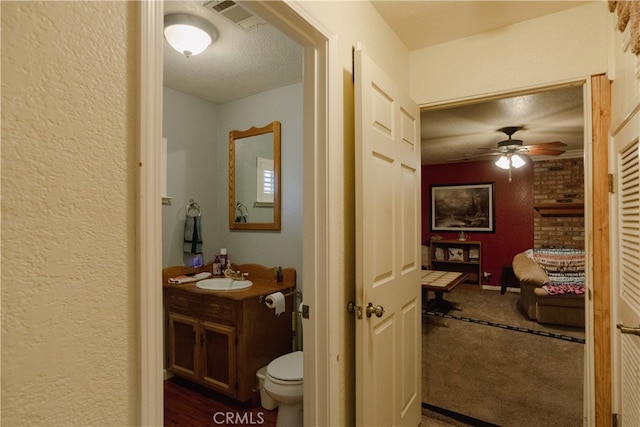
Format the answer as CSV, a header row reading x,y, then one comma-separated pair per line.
x,y
223,284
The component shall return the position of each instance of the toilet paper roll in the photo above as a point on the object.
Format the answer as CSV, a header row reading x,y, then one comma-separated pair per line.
x,y
276,300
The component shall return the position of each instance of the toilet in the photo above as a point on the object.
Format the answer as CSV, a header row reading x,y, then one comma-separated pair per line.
x,y
284,384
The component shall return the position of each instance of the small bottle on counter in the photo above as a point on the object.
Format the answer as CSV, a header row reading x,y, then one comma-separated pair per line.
x,y
217,271
223,258
278,274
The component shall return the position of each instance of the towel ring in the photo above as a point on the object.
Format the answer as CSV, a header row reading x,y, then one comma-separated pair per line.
x,y
193,206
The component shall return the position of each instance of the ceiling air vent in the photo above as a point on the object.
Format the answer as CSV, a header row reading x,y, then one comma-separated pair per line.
x,y
235,13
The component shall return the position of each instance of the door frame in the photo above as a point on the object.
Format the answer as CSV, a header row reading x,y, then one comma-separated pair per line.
x,y
597,349
322,117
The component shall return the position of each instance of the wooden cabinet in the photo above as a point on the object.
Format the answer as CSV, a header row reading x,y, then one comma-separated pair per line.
x,y
220,340
204,352
183,332
463,256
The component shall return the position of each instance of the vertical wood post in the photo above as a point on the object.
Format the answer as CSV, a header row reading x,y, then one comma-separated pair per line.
x,y
601,120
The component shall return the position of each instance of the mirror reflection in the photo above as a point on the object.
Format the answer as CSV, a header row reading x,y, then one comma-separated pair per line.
x,y
254,178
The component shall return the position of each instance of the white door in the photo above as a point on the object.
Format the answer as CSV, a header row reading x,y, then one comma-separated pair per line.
x,y
388,315
626,249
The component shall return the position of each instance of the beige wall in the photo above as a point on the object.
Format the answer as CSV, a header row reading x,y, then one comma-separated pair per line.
x,y
69,130
69,140
359,22
69,127
561,47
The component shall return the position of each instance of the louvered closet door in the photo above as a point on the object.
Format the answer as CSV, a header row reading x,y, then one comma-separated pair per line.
x,y
627,269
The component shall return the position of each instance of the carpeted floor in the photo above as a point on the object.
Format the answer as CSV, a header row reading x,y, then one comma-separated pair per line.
x,y
502,376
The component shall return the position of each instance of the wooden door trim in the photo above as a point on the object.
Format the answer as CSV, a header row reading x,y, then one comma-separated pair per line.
x,y
600,232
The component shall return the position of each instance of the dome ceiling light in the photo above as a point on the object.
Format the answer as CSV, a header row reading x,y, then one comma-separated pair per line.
x,y
189,34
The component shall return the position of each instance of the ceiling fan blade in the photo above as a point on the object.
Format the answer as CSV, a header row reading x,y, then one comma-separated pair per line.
x,y
543,152
548,144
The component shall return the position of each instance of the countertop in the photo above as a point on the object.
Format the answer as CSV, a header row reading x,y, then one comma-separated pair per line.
x,y
262,277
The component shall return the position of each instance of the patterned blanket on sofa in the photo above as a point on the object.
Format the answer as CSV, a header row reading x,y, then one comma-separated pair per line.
x,y
565,268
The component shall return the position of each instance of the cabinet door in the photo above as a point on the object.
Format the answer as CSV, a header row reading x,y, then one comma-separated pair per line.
x,y
218,359
182,351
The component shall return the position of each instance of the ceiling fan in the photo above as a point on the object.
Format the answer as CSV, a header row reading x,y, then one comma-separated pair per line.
x,y
511,145
512,151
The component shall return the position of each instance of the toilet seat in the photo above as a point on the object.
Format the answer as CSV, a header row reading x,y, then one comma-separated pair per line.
x,y
286,369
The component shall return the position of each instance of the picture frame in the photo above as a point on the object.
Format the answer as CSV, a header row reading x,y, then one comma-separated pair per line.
x,y
457,254
463,207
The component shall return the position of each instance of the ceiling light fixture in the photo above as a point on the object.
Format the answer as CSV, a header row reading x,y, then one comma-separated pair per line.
x,y
189,34
517,161
503,162
509,160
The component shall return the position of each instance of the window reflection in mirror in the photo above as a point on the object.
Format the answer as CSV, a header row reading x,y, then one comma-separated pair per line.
x,y
254,178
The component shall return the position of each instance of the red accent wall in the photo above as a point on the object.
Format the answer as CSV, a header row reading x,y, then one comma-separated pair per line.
x,y
513,209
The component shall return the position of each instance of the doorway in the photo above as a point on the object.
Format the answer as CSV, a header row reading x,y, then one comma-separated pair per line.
x,y
508,238
318,45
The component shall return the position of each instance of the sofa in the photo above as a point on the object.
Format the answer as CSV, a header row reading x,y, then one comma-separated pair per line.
x,y
551,285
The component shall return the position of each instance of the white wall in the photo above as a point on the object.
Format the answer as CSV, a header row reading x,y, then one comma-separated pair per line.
x,y
561,47
198,168
270,248
190,125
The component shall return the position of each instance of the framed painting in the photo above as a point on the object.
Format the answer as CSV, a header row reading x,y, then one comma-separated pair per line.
x,y
463,207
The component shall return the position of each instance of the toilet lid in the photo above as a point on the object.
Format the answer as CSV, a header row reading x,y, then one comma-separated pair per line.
x,y
287,367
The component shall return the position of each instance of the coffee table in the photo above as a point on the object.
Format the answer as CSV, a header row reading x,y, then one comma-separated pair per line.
x,y
440,282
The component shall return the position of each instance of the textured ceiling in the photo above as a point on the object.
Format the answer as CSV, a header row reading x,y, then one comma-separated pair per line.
x,y
465,132
238,64
242,63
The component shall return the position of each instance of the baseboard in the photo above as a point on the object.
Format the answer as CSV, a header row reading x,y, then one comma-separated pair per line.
x,y
166,374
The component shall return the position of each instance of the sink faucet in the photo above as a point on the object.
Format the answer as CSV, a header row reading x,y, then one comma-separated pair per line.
x,y
235,275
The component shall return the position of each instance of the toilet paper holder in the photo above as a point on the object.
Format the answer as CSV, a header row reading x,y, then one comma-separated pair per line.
x,y
288,294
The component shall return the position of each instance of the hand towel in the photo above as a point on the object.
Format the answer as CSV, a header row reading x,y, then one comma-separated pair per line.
x,y
186,279
192,235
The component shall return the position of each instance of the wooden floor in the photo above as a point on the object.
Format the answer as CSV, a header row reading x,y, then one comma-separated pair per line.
x,y
189,405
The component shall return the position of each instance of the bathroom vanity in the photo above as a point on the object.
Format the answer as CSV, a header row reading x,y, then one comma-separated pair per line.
x,y
219,339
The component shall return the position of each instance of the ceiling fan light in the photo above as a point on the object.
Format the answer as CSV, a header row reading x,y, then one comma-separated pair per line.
x,y
503,162
517,161
189,35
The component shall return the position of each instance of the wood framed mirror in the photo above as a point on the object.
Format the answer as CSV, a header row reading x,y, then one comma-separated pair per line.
x,y
254,178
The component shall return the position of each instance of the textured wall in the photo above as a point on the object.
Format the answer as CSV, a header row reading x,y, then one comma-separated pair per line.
x,y
69,138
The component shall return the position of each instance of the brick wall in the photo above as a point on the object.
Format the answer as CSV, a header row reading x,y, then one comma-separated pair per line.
x,y
558,181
